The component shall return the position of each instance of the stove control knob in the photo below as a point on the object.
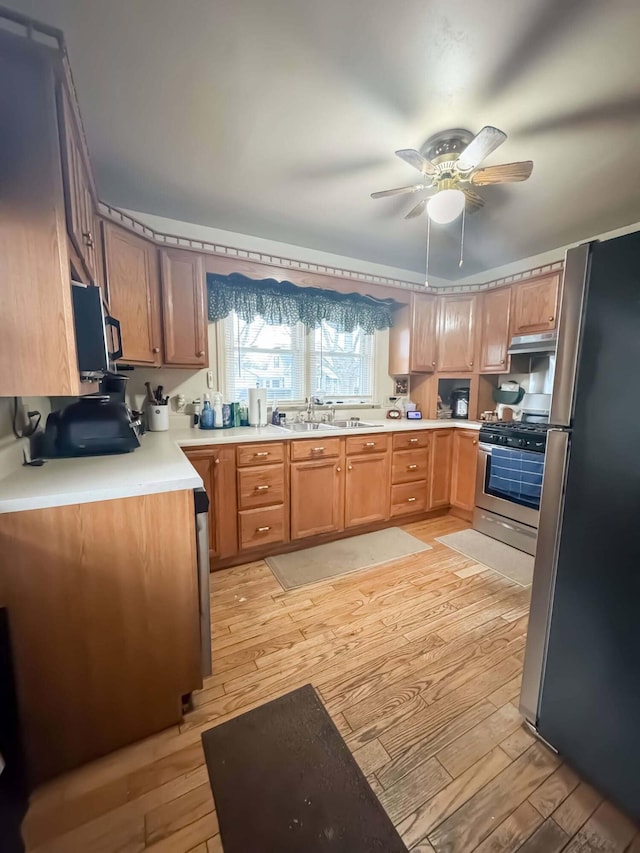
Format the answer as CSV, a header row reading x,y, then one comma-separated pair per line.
x,y
503,439
522,442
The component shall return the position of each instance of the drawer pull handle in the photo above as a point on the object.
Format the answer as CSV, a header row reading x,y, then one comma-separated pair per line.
x,y
413,440
410,500
262,529
317,449
264,453
369,444
261,488
412,467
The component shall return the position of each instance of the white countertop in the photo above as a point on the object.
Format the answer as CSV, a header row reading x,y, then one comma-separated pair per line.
x,y
158,465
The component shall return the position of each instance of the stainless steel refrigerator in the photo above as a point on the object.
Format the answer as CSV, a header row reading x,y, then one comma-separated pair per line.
x,y
581,683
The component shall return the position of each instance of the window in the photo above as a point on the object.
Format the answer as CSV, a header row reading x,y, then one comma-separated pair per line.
x,y
293,362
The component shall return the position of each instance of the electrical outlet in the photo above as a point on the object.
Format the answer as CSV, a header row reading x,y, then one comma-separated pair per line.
x,y
210,379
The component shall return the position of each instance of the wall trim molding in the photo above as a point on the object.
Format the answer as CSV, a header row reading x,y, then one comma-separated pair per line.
x,y
118,216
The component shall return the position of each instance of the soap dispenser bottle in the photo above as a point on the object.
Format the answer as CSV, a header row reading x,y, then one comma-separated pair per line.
x,y
218,417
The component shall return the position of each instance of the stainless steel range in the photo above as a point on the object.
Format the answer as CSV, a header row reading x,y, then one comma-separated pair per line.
x,y
509,482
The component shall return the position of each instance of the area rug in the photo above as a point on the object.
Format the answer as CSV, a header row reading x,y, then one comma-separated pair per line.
x,y
507,561
346,555
284,780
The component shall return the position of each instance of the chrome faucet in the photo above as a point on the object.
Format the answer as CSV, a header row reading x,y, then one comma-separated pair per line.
x,y
310,410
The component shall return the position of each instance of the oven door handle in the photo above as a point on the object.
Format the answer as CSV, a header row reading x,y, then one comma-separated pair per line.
x,y
485,448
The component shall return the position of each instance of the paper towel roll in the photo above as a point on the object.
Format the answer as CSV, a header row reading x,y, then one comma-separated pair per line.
x,y
257,407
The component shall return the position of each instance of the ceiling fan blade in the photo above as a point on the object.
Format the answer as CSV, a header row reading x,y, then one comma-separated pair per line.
x,y
504,174
417,210
400,190
474,201
414,158
482,144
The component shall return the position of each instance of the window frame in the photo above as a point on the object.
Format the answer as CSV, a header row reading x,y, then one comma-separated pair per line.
x,y
350,400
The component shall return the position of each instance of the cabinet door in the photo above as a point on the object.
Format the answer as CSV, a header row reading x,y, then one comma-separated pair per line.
x,y
535,304
79,202
463,473
456,334
133,283
317,490
217,467
440,472
423,334
184,309
495,330
367,490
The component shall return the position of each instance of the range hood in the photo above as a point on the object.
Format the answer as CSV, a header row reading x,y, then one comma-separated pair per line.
x,y
543,342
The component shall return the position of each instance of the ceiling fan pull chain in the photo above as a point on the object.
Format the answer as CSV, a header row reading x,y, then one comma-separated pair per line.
x,y
461,261
426,275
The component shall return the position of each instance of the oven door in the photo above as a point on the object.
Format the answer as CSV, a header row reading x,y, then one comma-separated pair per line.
x,y
494,501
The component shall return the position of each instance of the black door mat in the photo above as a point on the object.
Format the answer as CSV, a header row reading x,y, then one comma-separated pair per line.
x,y
284,781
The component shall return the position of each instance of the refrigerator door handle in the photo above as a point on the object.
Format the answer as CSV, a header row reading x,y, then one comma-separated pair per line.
x,y
572,301
544,572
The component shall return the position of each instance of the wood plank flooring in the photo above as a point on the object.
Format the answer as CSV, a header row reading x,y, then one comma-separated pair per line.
x,y
418,662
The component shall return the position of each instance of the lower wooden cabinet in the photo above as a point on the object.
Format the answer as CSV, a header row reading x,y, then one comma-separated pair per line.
x,y
317,497
263,526
440,474
367,490
463,470
217,467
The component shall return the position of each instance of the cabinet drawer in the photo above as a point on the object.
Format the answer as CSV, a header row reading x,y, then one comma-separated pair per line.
x,y
410,440
409,465
260,454
316,448
367,444
262,527
409,497
261,486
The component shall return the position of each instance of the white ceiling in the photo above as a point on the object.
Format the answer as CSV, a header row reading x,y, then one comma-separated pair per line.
x,y
279,118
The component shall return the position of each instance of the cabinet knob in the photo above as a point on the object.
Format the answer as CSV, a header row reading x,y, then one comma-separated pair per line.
x,y
156,349
350,468
502,361
88,239
551,319
263,453
216,461
470,364
475,441
338,469
433,364
201,353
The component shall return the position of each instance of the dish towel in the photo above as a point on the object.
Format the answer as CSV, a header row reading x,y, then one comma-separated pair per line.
x,y
517,474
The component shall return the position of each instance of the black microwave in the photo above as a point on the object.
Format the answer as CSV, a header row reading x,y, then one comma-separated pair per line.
x,y
98,337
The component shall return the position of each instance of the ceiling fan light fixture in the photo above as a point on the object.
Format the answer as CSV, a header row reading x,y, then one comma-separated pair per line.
x,y
446,206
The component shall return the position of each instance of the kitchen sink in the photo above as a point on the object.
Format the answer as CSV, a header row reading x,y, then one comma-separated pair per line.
x,y
308,427
354,424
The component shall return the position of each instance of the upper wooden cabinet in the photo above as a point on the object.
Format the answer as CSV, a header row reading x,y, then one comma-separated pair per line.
x,y
535,303
184,313
495,330
133,283
412,338
463,470
457,333
79,196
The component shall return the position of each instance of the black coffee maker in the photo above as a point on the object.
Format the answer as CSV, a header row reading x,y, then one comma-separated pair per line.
x,y
114,386
460,403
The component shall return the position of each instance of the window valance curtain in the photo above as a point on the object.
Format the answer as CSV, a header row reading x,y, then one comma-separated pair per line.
x,y
281,302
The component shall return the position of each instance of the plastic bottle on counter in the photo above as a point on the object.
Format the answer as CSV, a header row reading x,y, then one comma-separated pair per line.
x,y
244,413
218,421
207,414
197,407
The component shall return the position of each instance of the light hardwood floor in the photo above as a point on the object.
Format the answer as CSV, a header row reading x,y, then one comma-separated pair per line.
x,y
419,664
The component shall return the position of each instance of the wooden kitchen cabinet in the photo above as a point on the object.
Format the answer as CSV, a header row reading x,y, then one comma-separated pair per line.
x,y
412,338
102,599
367,490
217,467
495,319
456,333
184,309
79,191
440,472
317,497
535,304
133,283
463,469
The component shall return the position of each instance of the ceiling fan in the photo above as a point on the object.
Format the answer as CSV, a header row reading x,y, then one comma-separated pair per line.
x,y
449,164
